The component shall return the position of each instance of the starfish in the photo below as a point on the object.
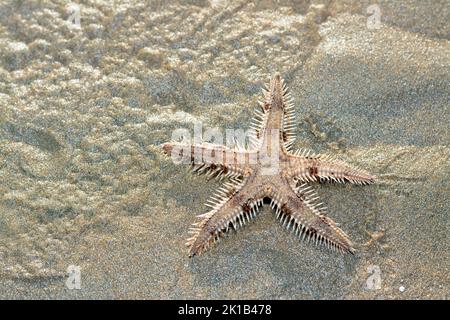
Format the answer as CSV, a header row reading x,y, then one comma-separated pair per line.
x,y
267,170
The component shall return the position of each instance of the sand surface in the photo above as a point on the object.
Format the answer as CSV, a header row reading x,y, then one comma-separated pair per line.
x,y
82,111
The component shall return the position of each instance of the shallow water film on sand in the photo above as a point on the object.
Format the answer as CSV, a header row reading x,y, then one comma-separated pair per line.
x,y
90,208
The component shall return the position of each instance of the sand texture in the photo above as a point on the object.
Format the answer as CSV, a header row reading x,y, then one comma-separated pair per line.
x,y
83,111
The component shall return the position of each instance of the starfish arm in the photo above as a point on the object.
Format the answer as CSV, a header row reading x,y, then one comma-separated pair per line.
x,y
306,167
299,211
229,208
276,113
274,124
210,159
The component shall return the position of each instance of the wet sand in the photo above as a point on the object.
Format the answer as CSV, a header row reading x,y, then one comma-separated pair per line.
x,y
82,112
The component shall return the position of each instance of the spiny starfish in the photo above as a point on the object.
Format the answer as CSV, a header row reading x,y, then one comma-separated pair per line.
x,y
284,183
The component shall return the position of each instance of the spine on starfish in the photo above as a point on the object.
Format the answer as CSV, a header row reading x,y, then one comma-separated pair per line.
x,y
258,124
289,118
306,218
227,212
307,167
211,160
